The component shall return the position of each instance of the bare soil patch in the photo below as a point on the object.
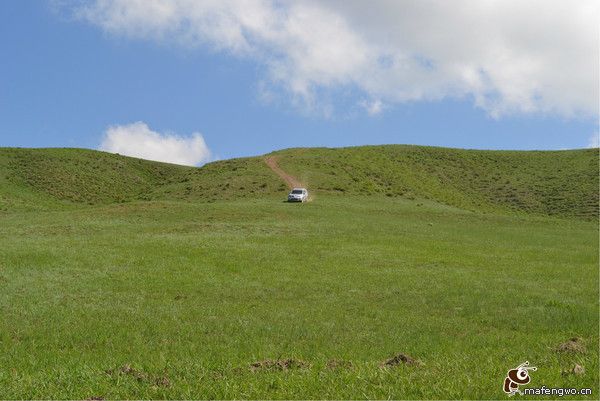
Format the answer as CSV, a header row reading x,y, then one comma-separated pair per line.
x,y
574,345
576,370
400,359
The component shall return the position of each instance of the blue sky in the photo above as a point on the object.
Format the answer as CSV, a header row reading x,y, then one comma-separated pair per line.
x,y
68,74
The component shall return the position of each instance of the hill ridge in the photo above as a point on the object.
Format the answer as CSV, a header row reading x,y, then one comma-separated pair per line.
x,y
556,183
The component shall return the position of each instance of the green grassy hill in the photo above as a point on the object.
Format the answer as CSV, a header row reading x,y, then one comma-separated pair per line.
x,y
559,183
105,295
563,183
34,178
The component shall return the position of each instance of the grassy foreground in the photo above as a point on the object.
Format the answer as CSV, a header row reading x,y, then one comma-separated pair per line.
x,y
174,299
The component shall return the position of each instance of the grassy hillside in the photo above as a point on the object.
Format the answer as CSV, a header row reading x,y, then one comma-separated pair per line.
x,y
128,279
562,183
32,178
559,183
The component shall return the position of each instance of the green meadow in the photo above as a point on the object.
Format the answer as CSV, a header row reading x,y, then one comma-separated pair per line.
x,y
129,279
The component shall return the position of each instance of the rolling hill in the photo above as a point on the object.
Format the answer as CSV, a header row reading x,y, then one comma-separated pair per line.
x,y
557,183
123,278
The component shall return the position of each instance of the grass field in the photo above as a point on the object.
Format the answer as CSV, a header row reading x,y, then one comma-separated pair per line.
x,y
176,296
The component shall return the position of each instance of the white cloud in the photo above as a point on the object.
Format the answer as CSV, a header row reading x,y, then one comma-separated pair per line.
x,y
138,140
373,107
594,141
509,56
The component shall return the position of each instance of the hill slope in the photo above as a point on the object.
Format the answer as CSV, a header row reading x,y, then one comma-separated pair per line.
x,y
560,183
32,178
563,183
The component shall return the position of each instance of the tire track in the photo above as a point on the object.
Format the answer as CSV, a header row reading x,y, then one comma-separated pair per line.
x,y
291,181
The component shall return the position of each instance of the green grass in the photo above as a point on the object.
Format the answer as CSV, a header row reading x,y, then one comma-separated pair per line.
x,y
193,287
557,183
196,292
50,178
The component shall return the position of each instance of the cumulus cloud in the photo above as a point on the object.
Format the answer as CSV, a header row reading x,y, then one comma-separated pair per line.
x,y
508,56
138,140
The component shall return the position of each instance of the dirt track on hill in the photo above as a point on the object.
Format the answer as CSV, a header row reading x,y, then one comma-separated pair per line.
x,y
292,182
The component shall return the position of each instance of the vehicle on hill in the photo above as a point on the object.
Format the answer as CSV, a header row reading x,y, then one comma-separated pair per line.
x,y
298,195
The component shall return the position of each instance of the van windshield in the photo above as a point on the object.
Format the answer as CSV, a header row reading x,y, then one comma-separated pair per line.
x,y
297,191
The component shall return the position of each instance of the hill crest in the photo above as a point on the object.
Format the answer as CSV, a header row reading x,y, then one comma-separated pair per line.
x,y
557,183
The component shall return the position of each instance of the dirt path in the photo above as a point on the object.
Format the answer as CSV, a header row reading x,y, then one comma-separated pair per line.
x,y
291,181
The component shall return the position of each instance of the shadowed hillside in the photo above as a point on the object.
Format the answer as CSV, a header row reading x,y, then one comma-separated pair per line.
x,y
560,183
33,178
